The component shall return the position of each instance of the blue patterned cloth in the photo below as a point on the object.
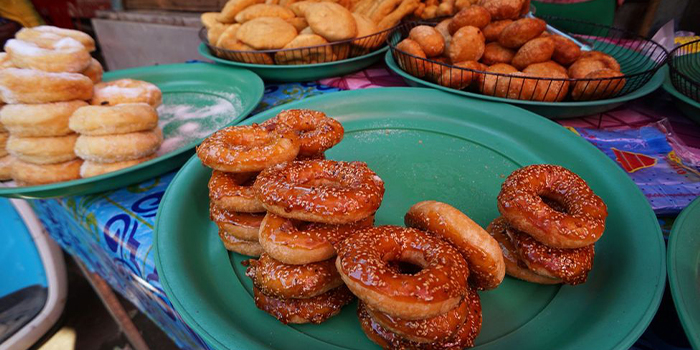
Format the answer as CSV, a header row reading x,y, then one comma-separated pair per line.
x,y
112,234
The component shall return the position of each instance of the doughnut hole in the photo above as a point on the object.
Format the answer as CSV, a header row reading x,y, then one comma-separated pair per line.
x,y
408,263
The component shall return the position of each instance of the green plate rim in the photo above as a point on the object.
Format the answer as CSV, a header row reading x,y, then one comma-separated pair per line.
x,y
681,298
668,86
255,83
626,341
204,51
653,84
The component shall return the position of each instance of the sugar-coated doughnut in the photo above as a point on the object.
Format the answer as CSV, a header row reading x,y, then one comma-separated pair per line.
x,y
234,192
94,71
364,262
293,281
312,310
34,120
298,243
38,174
521,203
110,120
118,148
483,255
247,148
65,55
317,132
42,150
90,168
6,167
240,246
126,91
243,226
323,191
34,86
45,36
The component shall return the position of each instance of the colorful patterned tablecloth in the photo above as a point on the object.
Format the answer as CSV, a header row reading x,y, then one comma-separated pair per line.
x,y
112,232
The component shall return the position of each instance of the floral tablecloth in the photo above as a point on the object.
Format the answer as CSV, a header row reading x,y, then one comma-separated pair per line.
x,y
112,232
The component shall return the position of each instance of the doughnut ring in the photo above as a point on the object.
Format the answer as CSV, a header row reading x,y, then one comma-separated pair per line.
x,y
94,71
90,168
364,262
3,143
234,192
126,91
515,266
42,150
6,167
33,86
486,266
110,120
48,119
428,330
240,246
317,132
279,280
521,204
247,148
312,310
118,148
45,36
38,174
298,243
243,226
323,191
64,55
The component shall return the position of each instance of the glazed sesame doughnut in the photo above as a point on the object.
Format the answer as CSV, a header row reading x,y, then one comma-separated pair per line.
x,y
247,148
243,226
45,36
515,266
312,310
323,191
317,132
298,243
486,266
366,262
40,174
234,191
521,204
240,246
94,71
64,55
34,120
280,280
428,330
42,150
126,91
110,120
320,156
6,167
118,148
34,86
3,143
90,168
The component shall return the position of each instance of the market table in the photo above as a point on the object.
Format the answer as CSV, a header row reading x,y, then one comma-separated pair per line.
x,y
112,232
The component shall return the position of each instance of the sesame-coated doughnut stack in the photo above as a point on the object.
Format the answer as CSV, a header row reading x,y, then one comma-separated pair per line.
x,y
46,73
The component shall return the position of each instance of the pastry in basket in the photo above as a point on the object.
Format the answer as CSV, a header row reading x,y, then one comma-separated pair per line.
x,y
467,44
266,33
537,50
521,31
475,16
503,9
495,53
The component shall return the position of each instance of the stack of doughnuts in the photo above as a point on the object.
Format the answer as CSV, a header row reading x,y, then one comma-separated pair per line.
x,y
46,73
273,195
119,128
550,220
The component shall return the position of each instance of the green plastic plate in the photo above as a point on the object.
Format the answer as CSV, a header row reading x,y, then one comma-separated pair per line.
x,y
551,110
301,72
684,270
687,105
427,144
198,99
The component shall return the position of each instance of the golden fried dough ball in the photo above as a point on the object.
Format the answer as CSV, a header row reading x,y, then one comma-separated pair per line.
x,y
534,51
502,9
475,16
494,29
467,44
495,53
521,31
566,51
598,89
429,39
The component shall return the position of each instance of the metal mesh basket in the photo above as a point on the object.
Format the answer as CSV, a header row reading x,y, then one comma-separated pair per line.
x,y
335,51
638,57
684,66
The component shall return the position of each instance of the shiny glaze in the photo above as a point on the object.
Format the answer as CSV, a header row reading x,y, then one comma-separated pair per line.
x,y
317,132
520,203
312,310
234,191
324,191
292,281
248,220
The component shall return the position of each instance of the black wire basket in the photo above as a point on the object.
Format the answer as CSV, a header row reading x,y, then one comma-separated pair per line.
x,y
639,59
335,51
684,67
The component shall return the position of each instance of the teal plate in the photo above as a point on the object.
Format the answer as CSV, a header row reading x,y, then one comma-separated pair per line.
x,y
301,72
198,99
684,270
427,144
551,110
687,105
